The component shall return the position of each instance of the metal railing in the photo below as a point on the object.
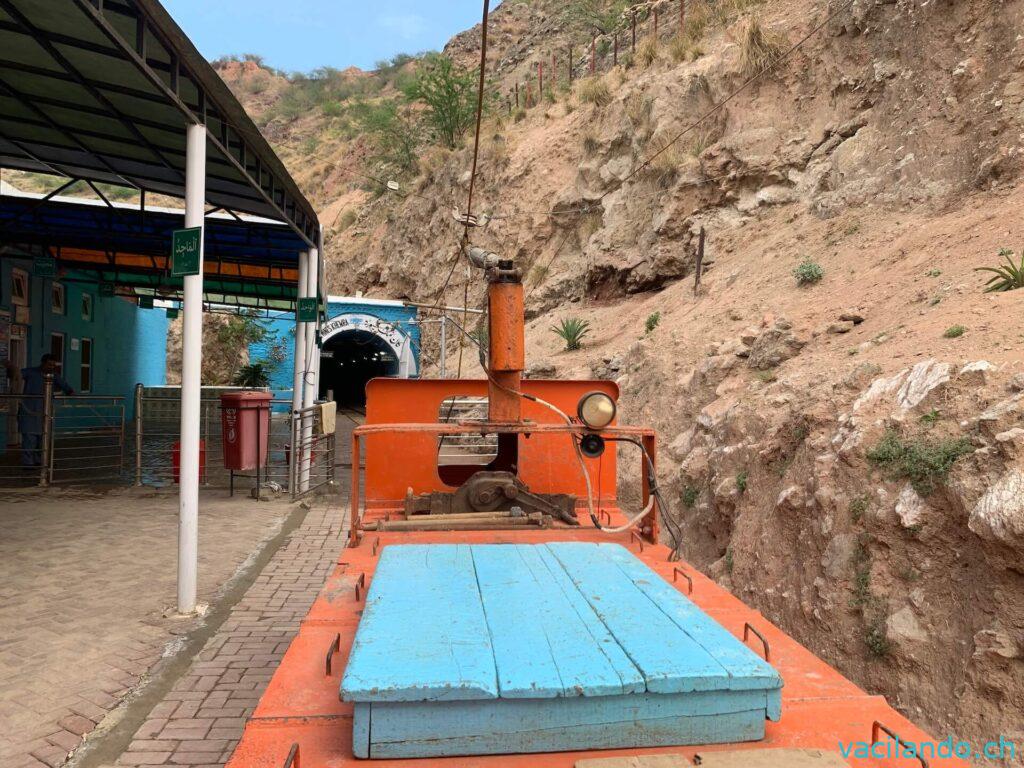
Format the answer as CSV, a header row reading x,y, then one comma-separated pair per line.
x,y
312,465
59,440
465,449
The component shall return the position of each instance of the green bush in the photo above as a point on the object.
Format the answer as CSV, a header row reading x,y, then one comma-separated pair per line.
x,y
925,463
808,272
741,481
652,322
572,330
690,496
858,507
394,132
253,376
1008,277
955,332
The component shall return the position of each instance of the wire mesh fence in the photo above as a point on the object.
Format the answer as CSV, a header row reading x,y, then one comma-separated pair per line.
x,y
157,433
87,440
613,42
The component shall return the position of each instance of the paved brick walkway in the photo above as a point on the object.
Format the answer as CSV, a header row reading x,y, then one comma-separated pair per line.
x,y
84,583
201,719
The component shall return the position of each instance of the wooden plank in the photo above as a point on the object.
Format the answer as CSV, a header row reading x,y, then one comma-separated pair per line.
x,y
670,660
772,758
636,761
542,647
746,669
361,730
423,635
503,726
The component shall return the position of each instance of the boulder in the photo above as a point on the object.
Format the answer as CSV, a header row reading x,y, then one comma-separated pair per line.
x,y
910,507
902,627
996,643
792,499
774,346
923,379
852,316
843,326
999,513
838,553
976,373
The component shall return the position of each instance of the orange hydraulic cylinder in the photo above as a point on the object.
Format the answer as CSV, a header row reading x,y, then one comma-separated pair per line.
x,y
507,351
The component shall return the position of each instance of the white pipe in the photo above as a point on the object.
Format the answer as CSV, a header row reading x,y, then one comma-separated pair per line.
x,y
191,377
300,368
310,372
444,346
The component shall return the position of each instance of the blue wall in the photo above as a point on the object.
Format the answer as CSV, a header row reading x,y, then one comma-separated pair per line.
x,y
281,327
129,344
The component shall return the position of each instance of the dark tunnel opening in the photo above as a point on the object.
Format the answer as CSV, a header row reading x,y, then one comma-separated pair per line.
x,y
348,361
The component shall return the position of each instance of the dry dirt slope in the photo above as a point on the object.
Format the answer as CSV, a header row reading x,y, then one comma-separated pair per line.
x,y
887,150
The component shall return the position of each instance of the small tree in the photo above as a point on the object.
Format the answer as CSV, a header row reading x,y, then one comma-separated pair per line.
x,y
602,15
394,131
253,376
449,95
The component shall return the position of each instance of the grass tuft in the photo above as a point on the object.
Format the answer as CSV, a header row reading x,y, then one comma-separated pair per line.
x,y
759,48
594,90
925,463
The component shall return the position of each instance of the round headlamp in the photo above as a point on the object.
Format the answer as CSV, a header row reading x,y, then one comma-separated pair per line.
x,y
596,410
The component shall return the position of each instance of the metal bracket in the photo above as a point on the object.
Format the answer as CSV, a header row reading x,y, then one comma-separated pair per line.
x,y
747,629
877,726
676,572
292,761
360,586
376,545
335,647
633,535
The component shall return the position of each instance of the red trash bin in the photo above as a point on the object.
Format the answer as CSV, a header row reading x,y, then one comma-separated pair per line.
x,y
245,427
176,450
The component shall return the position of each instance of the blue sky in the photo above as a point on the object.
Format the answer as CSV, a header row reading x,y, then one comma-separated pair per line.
x,y
300,35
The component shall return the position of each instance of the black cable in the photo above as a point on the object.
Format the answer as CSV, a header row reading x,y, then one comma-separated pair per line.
x,y
653,489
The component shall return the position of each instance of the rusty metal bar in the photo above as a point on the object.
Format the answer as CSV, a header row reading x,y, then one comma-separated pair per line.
x,y
676,572
877,726
376,545
747,629
292,761
635,536
360,586
335,647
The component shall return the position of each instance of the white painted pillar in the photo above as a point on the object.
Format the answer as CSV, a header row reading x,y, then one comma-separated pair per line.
x,y
191,377
310,377
300,369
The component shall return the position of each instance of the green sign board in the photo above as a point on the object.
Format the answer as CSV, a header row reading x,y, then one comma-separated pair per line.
x,y
145,302
307,310
106,289
45,267
172,313
186,247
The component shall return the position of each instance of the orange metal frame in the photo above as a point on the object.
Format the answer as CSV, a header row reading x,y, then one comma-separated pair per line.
x,y
401,421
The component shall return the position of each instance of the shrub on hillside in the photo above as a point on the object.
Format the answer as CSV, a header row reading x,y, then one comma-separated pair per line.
x,y
1006,277
808,272
759,49
594,90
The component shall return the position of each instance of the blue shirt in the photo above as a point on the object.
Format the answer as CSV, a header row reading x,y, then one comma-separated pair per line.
x,y
32,384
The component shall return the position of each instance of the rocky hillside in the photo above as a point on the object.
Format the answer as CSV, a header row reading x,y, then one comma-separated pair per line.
x,y
840,403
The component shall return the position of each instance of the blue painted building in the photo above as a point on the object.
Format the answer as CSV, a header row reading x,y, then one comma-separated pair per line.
x,y
105,344
360,340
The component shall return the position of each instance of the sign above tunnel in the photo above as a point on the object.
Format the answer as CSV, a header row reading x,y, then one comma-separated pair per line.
x,y
367,323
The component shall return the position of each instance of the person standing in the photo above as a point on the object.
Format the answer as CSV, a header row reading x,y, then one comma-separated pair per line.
x,y
30,407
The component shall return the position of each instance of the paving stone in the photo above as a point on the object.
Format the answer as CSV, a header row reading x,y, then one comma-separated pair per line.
x,y
82,617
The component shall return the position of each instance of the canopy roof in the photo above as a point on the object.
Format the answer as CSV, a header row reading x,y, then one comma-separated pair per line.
x,y
249,260
104,91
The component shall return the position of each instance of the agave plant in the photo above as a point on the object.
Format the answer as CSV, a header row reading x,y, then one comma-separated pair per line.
x,y
252,376
572,330
1006,277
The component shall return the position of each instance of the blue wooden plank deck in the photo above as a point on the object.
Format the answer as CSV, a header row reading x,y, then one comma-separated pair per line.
x,y
477,649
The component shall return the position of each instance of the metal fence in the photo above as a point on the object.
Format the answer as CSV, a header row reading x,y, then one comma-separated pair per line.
x,y
157,432
61,440
89,439
314,465
465,449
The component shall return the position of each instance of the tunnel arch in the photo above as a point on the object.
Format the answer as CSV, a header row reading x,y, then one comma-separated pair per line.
x,y
357,348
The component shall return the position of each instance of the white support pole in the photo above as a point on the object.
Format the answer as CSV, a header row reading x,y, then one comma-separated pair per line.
x,y
444,345
300,337
311,376
298,380
191,377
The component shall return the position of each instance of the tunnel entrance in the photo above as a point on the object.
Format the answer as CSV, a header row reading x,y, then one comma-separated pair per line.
x,y
349,360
